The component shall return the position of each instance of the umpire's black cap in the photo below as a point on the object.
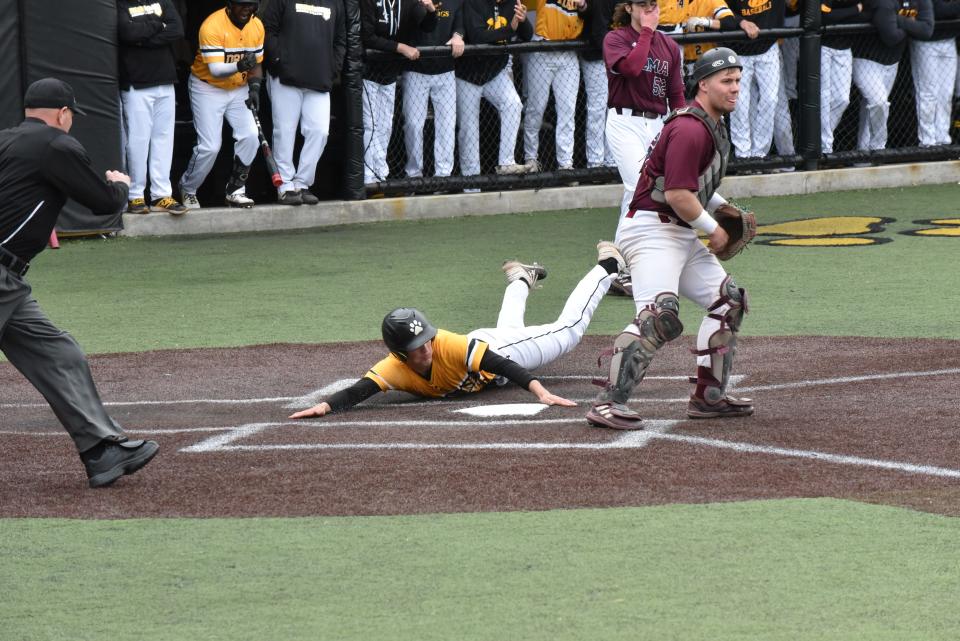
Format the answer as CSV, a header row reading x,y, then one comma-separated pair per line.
x,y
713,61
51,93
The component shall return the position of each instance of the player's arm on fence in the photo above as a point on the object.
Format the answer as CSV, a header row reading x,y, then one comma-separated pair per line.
x,y
342,400
496,364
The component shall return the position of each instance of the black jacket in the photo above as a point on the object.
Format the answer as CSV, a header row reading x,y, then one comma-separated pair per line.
x,y
305,42
146,53
840,12
597,21
945,10
449,21
766,15
40,167
485,24
896,21
383,24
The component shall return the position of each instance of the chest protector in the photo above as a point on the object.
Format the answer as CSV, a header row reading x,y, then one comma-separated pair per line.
x,y
710,179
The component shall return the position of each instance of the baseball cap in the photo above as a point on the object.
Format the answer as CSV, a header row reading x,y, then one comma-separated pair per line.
x,y
51,93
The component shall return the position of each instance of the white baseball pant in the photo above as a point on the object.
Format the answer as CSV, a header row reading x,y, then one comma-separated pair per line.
x,y
441,90
309,108
502,94
594,74
541,71
874,81
836,74
751,123
629,138
378,101
665,257
934,67
782,122
210,106
537,345
148,118
790,50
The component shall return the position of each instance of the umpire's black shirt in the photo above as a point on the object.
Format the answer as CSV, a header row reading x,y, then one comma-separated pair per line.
x,y
40,167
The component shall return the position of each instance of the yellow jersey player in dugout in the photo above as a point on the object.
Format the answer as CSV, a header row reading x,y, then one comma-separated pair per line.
x,y
433,363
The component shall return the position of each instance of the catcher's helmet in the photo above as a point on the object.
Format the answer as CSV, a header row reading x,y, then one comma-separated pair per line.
x,y
713,61
405,329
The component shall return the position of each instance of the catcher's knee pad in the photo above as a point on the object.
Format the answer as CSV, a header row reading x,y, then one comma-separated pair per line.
x,y
735,300
658,324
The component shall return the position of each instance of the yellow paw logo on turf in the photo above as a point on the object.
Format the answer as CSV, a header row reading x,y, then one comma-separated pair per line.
x,y
832,231
949,227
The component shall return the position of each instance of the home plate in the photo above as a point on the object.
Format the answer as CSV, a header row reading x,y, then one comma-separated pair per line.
x,y
510,409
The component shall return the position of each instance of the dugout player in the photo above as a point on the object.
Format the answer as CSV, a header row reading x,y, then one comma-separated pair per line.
x,y
479,77
752,125
385,25
933,64
597,23
41,166
658,238
225,76
645,81
433,363
559,70
433,80
876,59
305,45
146,30
836,67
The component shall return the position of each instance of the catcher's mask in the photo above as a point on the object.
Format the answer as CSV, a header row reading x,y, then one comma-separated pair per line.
x,y
405,329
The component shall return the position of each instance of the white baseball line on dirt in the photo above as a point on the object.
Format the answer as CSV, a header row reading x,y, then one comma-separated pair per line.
x,y
655,429
302,399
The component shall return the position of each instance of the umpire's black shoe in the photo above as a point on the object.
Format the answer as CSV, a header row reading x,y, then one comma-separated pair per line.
x,y
118,459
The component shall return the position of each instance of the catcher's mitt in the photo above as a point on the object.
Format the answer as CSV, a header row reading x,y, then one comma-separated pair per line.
x,y
740,225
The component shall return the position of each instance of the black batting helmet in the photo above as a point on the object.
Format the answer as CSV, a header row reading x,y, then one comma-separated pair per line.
x,y
253,2
713,61
405,329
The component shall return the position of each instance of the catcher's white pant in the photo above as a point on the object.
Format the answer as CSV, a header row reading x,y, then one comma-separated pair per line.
x,y
594,74
148,118
782,123
629,138
836,74
309,108
210,106
441,90
538,345
874,81
751,123
541,71
934,67
665,257
378,101
501,93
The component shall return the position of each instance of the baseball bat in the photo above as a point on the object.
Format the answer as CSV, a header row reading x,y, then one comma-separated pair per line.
x,y
267,153
54,241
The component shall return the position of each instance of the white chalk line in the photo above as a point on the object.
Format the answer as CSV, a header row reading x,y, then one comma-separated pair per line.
x,y
300,400
625,440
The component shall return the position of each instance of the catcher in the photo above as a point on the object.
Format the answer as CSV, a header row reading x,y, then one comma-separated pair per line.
x,y
658,237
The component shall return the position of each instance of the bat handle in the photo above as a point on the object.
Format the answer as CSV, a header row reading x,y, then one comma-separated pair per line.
x,y
277,180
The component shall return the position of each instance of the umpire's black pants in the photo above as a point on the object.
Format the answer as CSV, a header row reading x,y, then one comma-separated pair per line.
x,y
53,362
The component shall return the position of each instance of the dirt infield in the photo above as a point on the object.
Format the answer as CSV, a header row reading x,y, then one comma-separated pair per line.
x,y
861,418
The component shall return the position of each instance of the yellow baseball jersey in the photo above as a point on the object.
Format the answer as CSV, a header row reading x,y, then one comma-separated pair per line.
x,y
558,20
673,12
713,9
456,368
222,41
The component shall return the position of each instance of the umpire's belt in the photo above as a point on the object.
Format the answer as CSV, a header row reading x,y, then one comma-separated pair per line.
x,y
627,111
664,218
13,263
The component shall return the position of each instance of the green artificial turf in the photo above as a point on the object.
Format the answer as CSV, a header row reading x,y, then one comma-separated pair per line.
x,y
796,569
134,294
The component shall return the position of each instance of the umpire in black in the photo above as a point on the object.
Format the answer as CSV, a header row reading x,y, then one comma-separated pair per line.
x,y
41,166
